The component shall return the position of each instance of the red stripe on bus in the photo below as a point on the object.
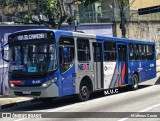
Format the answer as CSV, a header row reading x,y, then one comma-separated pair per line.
x,y
15,82
122,75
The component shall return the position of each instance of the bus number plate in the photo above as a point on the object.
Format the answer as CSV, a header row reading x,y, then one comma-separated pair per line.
x,y
26,92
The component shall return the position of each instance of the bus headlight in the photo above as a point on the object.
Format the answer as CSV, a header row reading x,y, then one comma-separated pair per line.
x,y
46,84
12,85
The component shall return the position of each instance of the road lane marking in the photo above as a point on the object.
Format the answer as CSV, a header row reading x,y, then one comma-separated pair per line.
x,y
150,108
145,110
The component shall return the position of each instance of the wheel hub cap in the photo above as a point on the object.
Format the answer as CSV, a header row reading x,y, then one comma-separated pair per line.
x,y
84,91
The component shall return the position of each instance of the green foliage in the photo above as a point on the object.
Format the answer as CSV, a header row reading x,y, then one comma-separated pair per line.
x,y
26,19
123,2
70,19
47,6
53,11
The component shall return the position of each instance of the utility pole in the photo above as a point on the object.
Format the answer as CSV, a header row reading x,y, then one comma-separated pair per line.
x,y
123,21
122,4
75,21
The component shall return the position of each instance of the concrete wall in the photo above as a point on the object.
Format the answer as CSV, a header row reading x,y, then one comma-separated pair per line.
x,y
143,3
142,31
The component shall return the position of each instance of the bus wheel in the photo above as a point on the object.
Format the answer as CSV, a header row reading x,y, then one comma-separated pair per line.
x,y
135,82
84,91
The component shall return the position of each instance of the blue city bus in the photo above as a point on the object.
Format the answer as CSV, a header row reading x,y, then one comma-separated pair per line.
x,y
54,63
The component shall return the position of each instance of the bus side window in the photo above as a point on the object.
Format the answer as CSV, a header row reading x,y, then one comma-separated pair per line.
x,y
140,51
109,51
143,52
131,52
150,52
136,51
83,49
66,53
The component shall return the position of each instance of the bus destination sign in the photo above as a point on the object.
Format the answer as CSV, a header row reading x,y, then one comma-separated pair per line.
x,y
31,36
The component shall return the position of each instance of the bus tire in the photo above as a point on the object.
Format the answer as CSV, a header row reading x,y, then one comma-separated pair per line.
x,y
84,91
135,81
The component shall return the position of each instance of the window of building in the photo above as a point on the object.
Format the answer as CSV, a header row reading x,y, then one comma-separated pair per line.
x,y
109,51
83,49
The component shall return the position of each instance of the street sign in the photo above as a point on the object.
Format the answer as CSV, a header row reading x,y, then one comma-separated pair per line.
x,y
148,10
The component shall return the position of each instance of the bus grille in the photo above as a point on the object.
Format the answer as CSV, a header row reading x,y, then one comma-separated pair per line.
x,y
38,85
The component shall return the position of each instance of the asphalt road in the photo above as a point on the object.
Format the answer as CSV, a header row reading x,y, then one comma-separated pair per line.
x,y
145,99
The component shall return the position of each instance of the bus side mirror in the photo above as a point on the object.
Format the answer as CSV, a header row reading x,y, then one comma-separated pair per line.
x,y
65,52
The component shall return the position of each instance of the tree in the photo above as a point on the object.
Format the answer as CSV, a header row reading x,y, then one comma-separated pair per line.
x,y
51,13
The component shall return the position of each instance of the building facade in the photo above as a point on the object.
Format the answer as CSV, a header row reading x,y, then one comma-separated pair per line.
x,y
144,27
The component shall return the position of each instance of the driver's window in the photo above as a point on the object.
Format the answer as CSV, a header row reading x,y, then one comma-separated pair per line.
x,y
66,53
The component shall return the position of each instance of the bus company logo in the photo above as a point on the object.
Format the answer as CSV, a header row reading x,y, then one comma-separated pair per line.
x,y
83,67
108,68
105,68
151,65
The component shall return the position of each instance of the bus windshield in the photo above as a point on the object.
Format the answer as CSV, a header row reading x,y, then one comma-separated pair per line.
x,y
37,58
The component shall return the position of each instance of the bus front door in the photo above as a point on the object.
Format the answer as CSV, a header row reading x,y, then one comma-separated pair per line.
x,y
122,64
97,54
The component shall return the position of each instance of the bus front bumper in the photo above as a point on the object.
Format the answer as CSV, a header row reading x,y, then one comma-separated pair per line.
x,y
50,91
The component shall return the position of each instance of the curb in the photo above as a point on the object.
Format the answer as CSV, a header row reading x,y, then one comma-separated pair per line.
x,y
18,104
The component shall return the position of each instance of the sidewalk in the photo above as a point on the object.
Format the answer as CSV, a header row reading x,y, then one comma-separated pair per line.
x,y
7,100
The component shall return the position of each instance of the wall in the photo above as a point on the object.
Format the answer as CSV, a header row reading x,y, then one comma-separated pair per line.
x,y
143,31
144,3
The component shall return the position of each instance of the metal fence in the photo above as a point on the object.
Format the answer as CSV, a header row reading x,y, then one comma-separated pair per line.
x,y
145,17
114,15
103,16
96,17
